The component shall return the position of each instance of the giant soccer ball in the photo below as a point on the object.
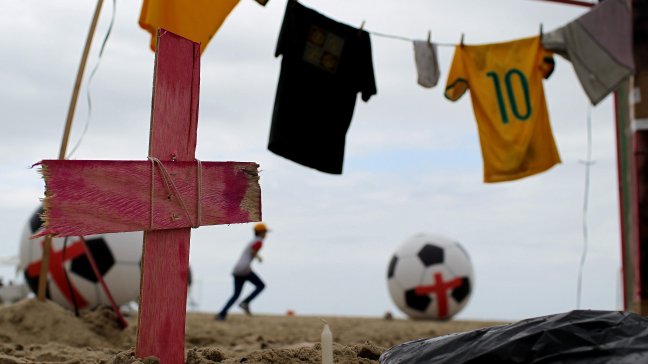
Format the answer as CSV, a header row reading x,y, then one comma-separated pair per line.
x,y
430,277
71,278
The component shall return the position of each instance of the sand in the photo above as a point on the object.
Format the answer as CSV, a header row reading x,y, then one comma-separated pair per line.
x,y
43,332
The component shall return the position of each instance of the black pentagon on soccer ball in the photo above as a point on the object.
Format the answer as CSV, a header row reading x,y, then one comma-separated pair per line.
x,y
102,256
430,255
35,223
415,301
32,281
392,266
462,291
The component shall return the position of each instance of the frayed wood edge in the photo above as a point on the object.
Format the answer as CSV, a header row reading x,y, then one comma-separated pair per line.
x,y
251,202
46,201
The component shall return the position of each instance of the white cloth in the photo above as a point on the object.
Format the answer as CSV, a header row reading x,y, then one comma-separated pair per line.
x,y
244,265
599,46
427,63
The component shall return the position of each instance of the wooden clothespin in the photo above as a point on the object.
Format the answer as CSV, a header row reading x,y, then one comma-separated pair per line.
x,y
462,40
361,27
429,37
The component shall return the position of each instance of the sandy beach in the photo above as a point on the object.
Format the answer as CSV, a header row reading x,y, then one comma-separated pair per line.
x,y
43,332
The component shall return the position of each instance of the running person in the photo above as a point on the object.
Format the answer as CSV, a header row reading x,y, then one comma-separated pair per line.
x,y
242,272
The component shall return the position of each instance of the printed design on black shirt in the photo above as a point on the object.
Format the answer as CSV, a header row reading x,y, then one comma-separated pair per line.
x,y
323,49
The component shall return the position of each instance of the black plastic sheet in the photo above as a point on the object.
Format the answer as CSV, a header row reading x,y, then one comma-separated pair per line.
x,y
576,337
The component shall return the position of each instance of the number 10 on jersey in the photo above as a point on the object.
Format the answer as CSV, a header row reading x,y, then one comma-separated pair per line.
x,y
512,77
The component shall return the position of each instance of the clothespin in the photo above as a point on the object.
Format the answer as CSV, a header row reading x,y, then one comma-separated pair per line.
x,y
361,27
429,37
462,40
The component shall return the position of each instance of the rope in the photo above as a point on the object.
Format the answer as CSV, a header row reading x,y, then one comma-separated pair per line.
x,y
94,70
407,39
172,190
199,204
152,193
399,37
588,163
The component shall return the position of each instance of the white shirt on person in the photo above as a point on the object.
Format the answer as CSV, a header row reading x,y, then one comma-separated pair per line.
x,y
244,265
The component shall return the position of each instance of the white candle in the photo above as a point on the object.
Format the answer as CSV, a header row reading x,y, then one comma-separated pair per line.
x,y
327,345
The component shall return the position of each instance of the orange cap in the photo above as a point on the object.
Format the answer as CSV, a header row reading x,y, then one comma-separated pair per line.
x,y
260,227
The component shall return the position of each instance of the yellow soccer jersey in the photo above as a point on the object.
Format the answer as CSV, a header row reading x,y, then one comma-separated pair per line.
x,y
505,81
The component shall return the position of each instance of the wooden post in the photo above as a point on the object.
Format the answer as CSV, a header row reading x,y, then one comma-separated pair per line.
x,y
47,246
79,78
627,203
639,107
44,268
165,196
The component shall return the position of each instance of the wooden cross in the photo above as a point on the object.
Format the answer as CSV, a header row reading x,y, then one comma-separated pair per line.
x,y
164,196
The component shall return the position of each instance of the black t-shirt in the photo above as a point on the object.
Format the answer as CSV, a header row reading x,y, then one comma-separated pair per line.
x,y
325,64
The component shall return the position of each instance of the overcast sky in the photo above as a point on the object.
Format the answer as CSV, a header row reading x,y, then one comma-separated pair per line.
x,y
413,162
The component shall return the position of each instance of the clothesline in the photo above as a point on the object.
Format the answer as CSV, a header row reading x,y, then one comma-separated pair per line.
x,y
407,39
399,37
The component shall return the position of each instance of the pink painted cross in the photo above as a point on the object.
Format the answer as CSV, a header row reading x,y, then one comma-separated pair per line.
x,y
164,196
440,289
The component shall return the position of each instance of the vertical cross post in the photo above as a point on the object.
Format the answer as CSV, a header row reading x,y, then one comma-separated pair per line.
x,y
165,254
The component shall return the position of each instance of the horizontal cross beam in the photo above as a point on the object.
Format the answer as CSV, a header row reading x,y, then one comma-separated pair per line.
x,y
84,197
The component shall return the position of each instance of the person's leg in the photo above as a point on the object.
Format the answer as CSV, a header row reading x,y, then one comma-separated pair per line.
x,y
258,283
238,286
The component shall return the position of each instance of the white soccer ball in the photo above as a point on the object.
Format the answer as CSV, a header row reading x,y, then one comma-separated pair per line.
x,y
70,276
430,277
